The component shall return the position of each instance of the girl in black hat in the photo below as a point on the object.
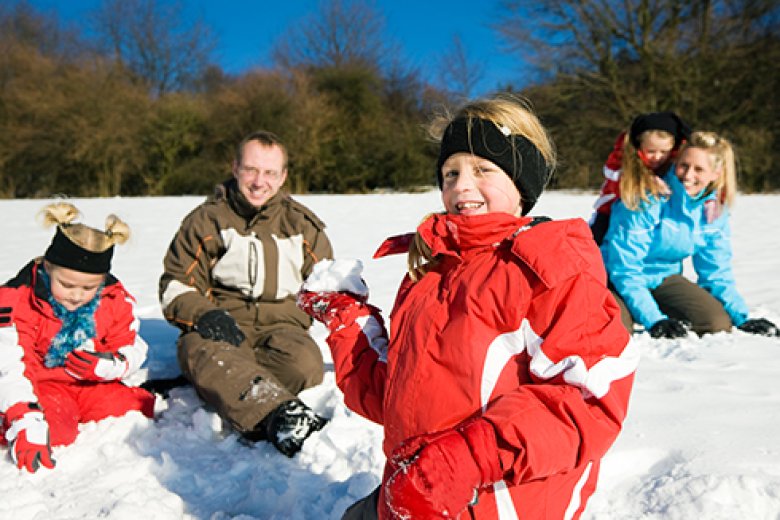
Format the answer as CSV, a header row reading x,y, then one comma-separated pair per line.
x,y
640,157
68,336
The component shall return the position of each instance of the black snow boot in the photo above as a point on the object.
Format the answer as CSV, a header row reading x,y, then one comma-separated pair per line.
x,y
289,424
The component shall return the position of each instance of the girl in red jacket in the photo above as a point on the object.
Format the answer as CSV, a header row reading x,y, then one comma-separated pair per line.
x,y
507,372
68,335
643,154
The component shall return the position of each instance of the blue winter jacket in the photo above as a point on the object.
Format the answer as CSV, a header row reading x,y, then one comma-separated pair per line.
x,y
643,247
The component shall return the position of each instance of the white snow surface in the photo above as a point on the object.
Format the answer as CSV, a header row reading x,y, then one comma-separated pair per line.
x,y
702,438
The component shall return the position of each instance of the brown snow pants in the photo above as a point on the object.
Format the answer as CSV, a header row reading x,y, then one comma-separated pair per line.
x,y
244,384
680,298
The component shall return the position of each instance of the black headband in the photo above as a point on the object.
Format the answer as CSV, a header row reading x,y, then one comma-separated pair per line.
x,y
65,253
514,154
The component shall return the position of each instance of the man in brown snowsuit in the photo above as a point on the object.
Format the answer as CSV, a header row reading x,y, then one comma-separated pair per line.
x,y
231,277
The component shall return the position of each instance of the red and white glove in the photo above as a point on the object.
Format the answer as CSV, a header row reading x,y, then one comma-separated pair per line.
x,y
335,294
28,437
86,365
339,310
330,308
438,475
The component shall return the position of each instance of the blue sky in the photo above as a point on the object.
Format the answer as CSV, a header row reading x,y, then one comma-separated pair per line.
x,y
424,30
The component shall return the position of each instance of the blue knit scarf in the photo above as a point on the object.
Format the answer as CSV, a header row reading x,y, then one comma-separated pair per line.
x,y
77,326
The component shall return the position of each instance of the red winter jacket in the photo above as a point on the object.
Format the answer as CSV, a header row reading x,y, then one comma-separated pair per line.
x,y
515,325
610,188
28,324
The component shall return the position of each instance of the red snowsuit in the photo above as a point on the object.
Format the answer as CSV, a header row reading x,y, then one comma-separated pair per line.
x,y
610,188
27,326
515,325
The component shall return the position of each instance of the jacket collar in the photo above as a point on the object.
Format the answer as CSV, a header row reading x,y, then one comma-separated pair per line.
x,y
455,234
229,191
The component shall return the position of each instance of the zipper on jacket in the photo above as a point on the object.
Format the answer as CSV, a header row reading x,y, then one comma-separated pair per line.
x,y
252,263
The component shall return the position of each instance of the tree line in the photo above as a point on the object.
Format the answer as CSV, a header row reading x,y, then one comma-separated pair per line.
x,y
129,102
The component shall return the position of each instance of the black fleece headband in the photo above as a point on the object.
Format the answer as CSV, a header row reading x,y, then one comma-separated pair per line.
x,y
666,121
65,253
514,154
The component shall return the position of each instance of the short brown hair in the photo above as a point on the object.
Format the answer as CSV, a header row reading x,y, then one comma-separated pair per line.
x,y
265,138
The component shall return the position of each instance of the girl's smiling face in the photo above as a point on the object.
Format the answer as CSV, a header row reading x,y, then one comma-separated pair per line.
x,y
696,170
472,185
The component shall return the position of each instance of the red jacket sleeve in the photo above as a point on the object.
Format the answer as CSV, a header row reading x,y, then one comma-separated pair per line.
x,y
121,329
358,343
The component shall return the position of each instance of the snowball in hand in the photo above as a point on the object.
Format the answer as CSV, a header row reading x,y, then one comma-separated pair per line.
x,y
343,275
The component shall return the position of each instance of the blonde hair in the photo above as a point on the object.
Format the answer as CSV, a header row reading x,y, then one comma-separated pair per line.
x,y
638,182
62,214
504,110
722,157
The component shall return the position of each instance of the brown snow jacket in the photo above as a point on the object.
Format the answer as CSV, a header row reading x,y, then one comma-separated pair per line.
x,y
251,262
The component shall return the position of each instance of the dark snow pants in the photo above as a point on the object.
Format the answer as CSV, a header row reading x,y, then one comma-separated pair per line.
x,y
244,384
680,298
363,509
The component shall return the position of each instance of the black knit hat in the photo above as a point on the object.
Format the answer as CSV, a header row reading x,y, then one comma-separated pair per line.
x,y
65,253
514,154
666,121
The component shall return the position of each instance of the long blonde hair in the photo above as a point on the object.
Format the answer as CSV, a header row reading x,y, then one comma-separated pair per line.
x,y
504,110
638,182
722,157
62,214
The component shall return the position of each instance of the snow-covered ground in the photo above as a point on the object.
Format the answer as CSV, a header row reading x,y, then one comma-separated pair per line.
x,y
702,439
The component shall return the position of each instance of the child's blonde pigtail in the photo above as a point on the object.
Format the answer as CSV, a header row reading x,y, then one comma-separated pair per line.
x,y
117,231
59,213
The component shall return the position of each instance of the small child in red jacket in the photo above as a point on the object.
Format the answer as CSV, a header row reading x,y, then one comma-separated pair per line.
x,y
68,336
507,371
647,149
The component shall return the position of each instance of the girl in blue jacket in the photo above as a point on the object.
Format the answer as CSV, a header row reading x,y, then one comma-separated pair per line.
x,y
646,244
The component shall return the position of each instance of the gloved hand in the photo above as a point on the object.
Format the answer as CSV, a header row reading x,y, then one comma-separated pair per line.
x,y
218,325
289,424
340,310
668,328
761,326
438,475
87,365
325,307
28,437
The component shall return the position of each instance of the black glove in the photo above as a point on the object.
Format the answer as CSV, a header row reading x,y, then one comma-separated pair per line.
x,y
760,326
289,424
218,325
668,328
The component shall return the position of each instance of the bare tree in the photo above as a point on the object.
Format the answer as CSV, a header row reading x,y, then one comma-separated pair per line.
x,y
638,54
342,33
459,74
154,41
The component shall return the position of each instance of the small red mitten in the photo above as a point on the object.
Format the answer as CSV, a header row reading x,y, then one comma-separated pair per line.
x,y
28,437
438,475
